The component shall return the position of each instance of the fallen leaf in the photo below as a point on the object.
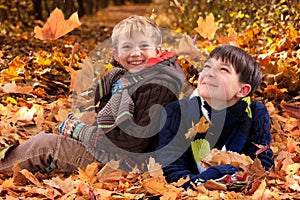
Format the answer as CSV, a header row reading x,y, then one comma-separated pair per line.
x,y
218,157
65,186
89,173
56,26
154,168
207,27
13,88
214,185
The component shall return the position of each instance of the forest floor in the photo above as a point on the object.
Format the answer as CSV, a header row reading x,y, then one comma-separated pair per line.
x,y
35,96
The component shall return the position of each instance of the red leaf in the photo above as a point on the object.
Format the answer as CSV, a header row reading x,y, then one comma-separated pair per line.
x,y
56,26
261,148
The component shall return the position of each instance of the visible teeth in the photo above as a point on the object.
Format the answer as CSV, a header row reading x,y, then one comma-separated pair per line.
x,y
136,62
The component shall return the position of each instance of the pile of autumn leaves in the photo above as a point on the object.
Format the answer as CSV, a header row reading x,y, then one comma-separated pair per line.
x,y
107,182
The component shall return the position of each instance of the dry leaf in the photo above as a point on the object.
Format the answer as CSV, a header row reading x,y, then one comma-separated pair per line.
x,y
207,28
56,26
154,168
82,79
65,186
256,170
155,187
89,173
217,157
187,46
214,185
13,88
201,127
232,38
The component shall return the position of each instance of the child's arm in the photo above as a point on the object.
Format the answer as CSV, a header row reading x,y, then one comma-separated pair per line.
x,y
260,135
174,152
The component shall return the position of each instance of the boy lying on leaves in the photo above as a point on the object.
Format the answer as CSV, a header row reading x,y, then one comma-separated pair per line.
x,y
226,119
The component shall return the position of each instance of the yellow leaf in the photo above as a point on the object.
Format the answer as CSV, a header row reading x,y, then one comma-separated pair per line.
x,y
207,28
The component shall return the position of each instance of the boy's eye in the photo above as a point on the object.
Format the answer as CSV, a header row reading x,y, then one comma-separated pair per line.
x,y
224,69
143,46
126,47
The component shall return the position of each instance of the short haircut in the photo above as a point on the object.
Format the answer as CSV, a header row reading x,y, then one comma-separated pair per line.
x,y
135,23
243,63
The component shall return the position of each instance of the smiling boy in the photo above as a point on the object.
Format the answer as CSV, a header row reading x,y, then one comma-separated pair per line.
x,y
129,97
228,79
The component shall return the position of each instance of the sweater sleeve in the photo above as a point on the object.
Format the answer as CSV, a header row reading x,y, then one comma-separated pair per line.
x,y
260,135
174,152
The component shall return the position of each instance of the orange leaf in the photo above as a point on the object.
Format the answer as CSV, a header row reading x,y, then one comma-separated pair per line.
x,y
56,26
232,38
207,28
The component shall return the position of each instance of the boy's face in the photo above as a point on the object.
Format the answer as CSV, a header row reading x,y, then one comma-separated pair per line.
x,y
134,52
219,84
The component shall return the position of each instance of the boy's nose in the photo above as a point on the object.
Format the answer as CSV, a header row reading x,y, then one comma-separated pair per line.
x,y
136,52
209,72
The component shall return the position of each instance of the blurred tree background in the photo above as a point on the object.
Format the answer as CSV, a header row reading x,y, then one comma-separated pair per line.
x,y
26,10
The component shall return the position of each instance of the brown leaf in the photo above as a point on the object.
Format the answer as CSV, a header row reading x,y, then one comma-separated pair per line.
x,y
186,46
154,168
217,157
30,177
256,170
214,185
56,26
292,109
89,173
65,186
82,79
207,27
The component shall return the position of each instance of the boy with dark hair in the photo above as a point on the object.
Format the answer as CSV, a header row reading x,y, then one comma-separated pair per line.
x,y
228,78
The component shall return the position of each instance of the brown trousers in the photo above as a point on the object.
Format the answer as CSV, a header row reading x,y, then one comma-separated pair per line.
x,y
42,150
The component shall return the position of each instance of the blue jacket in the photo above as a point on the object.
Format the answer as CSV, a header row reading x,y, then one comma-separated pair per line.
x,y
174,151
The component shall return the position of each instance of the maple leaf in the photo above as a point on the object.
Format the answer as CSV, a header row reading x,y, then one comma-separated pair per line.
x,y
56,26
187,46
232,38
207,28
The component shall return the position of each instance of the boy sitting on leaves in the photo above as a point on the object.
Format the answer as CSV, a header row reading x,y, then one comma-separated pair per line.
x,y
229,120
130,98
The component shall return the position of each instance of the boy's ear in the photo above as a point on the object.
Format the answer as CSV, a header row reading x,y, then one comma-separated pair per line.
x,y
245,90
158,50
115,54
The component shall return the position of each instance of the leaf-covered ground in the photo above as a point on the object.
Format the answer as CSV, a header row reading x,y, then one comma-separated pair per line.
x,y
35,96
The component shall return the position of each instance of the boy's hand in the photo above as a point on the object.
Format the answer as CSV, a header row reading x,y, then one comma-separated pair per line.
x,y
68,126
214,173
